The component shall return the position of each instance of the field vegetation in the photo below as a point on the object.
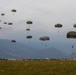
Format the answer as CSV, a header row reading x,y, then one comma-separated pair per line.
x,y
37,67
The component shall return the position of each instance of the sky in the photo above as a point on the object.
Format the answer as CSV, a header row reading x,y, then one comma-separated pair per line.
x,y
44,14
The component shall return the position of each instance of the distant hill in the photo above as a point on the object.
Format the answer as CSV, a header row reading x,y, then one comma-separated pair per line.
x,y
16,50
49,53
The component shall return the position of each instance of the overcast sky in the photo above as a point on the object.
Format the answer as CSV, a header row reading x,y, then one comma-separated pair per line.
x,y
44,14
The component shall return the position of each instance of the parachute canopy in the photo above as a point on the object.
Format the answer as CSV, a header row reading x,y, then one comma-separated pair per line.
x,y
29,37
10,23
27,29
71,34
29,22
2,14
13,41
5,22
0,28
58,25
74,25
44,38
14,10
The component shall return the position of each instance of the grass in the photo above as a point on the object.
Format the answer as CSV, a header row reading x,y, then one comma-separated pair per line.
x,y
38,67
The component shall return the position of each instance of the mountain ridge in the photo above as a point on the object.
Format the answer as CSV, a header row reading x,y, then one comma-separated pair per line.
x,y
16,50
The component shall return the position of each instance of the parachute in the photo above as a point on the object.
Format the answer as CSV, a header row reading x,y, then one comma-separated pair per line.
x,y
29,37
58,25
2,14
0,28
71,34
74,25
5,22
27,29
10,23
13,10
29,22
44,38
14,41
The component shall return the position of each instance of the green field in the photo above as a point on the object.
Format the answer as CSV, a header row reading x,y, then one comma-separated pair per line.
x,y
38,67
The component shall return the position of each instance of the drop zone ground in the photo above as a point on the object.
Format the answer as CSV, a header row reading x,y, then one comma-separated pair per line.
x,y
37,67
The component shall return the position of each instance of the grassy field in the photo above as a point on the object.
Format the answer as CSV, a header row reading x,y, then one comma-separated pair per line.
x,y
38,67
